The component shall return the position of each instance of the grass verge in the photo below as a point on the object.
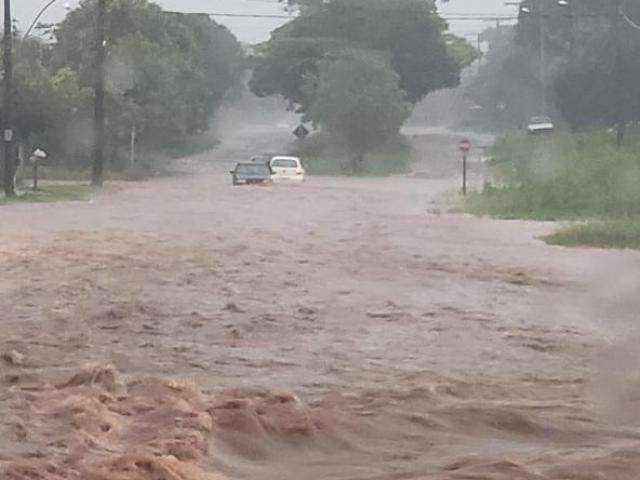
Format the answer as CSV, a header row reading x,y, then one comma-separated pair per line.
x,y
623,233
52,193
578,177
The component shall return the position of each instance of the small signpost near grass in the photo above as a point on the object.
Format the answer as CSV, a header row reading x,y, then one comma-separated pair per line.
x,y
37,158
465,147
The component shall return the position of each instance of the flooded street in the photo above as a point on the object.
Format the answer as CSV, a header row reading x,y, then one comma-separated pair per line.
x,y
351,328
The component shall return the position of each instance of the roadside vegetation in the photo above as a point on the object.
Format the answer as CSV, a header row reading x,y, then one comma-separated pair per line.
x,y
590,174
580,177
622,233
51,193
353,73
167,74
592,63
323,156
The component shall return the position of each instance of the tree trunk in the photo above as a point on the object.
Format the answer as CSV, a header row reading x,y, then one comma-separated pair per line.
x,y
97,170
620,131
357,161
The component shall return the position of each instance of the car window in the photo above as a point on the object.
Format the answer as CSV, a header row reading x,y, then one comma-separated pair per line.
x,y
284,163
252,169
540,120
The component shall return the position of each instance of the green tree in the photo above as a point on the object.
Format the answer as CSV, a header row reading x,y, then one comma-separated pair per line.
x,y
590,71
461,51
507,85
357,98
45,103
167,73
409,32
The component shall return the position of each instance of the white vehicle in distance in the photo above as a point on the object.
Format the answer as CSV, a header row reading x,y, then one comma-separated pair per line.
x,y
539,125
287,170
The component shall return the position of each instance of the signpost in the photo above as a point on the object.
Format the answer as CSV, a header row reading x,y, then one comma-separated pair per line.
x,y
464,146
301,132
37,158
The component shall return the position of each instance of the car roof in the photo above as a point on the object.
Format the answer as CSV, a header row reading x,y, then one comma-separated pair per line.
x,y
285,157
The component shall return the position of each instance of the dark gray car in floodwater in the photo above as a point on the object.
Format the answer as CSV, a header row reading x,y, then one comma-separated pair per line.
x,y
251,174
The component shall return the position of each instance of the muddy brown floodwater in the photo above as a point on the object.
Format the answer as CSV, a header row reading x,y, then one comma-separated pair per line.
x,y
182,329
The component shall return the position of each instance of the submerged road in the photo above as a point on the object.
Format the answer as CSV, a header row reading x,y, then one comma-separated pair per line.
x,y
411,343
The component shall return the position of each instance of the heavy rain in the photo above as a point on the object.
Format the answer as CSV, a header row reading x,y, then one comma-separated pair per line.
x,y
320,239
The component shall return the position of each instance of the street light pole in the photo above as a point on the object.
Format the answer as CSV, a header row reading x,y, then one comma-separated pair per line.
x,y
7,114
543,13
619,95
97,170
40,13
543,55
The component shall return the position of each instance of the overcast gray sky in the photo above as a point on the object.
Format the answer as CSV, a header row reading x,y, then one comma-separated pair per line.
x,y
255,30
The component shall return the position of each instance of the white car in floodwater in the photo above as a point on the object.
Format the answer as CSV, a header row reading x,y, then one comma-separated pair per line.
x,y
539,125
286,169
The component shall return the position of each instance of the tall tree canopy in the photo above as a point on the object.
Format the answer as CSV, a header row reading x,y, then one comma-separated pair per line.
x,y
590,70
354,67
166,74
358,99
409,32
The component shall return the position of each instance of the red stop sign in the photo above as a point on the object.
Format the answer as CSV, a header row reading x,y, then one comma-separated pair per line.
x,y
465,145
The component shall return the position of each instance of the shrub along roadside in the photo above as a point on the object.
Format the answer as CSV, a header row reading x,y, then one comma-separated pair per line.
x,y
323,155
567,177
148,163
600,234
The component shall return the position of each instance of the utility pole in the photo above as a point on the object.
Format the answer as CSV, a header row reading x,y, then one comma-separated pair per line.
x,y
619,95
465,147
542,17
7,114
97,171
543,56
132,151
480,52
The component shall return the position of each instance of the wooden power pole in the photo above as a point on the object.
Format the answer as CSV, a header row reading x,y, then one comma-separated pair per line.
x,y
618,25
7,110
97,171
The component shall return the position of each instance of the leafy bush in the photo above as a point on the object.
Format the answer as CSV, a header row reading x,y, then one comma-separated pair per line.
x,y
623,233
322,155
562,176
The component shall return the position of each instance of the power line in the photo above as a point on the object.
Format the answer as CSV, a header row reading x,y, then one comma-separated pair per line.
x,y
485,18
248,15
629,20
455,17
238,15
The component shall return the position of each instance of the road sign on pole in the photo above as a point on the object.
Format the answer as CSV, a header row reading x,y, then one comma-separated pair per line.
x,y
465,147
301,132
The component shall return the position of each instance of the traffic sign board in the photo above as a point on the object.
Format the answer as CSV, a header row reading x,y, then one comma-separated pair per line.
x,y
301,132
465,145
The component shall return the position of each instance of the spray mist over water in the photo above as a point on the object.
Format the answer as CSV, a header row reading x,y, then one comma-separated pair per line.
x,y
253,125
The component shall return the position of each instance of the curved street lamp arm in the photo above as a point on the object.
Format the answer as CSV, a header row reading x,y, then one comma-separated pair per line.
x,y
35,21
